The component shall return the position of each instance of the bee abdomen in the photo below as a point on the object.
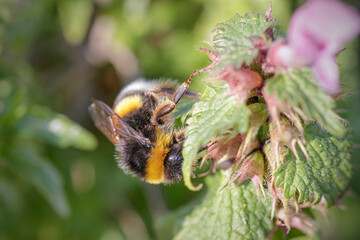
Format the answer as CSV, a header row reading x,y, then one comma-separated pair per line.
x,y
132,158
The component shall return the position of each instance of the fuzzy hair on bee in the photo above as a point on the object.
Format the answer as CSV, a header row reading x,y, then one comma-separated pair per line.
x,y
141,128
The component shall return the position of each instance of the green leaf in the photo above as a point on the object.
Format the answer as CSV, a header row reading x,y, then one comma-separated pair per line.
x,y
182,111
13,106
213,114
258,116
263,133
298,88
229,214
75,16
42,174
9,195
306,237
326,174
56,129
234,38
168,225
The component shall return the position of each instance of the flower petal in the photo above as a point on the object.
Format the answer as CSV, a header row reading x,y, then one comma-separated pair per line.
x,y
322,25
241,80
326,71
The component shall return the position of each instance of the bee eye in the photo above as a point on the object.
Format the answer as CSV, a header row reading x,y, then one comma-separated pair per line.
x,y
173,164
179,156
175,155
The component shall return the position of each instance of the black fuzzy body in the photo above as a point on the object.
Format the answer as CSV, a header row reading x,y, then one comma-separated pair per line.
x,y
133,155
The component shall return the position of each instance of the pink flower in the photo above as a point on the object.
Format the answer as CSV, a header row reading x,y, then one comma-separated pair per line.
x,y
316,34
241,80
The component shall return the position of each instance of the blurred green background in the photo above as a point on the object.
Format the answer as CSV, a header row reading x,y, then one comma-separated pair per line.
x,y
58,176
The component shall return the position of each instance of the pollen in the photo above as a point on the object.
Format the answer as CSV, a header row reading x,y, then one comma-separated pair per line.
x,y
155,163
128,105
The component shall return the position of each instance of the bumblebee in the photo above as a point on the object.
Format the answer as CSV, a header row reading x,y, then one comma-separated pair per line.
x,y
142,129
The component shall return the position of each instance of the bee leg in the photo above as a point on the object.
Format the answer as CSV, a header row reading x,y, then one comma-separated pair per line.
x,y
169,92
191,94
152,100
179,93
163,110
179,136
206,147
168,107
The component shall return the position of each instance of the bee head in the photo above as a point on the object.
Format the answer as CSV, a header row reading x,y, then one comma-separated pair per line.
x,y
173,164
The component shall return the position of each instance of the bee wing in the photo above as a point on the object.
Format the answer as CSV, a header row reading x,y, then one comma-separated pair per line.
x,y
113,126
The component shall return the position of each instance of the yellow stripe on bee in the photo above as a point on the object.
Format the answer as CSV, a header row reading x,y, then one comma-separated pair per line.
x,y
155,163
128,105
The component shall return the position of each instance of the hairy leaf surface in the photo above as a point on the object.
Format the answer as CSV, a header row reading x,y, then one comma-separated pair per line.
x,y
214,114
298,89
228,214
235,39
326,174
